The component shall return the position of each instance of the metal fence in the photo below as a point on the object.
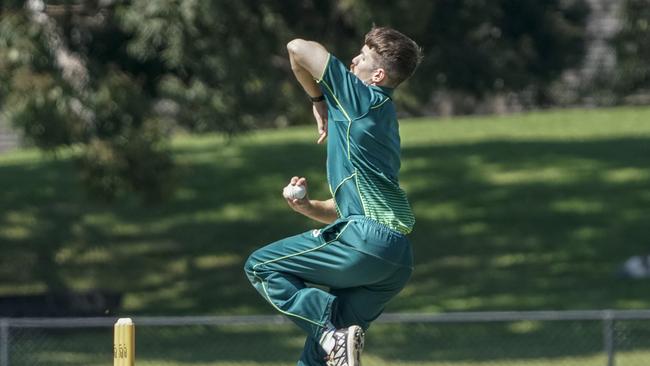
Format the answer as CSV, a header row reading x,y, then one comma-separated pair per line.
x,y
598,338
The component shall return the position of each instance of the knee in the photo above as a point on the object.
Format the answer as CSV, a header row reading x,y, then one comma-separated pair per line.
x,y
249,267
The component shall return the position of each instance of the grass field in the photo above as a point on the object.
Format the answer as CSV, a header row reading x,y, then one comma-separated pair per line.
x,y
522,212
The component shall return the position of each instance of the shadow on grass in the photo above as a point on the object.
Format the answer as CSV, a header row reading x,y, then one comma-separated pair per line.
x,y
501,225
529,225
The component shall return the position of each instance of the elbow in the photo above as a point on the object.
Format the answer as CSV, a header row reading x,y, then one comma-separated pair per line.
x,y
295,45
296,49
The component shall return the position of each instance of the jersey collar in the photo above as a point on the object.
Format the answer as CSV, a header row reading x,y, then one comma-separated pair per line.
x,y
384,90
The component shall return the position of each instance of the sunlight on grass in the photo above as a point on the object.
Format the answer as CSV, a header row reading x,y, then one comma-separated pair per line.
x,y
99,219
627,175
93,255
563,125
579,206
236,212
587,233
18,225
548,175
473,228
449,211
216,261
463,303
171,295
61,358
458,262
198,143
15,288
632,358
21,156
523,327
15,232
509,260
185,194
112,225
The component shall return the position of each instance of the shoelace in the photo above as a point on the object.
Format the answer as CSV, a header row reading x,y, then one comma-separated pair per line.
x,y
338,356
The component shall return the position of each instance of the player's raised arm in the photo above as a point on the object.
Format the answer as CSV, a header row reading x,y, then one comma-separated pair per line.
x,y
308,56
308,61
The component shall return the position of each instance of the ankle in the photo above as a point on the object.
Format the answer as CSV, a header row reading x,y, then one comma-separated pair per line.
x,y
327,340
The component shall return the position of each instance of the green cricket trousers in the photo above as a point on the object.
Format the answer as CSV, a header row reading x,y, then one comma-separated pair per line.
x,y
362,262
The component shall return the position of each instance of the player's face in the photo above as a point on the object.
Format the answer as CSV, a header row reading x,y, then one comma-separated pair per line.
x,y
364,65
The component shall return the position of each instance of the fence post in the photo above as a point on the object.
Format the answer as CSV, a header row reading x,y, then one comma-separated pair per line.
x,y
4,342
609,337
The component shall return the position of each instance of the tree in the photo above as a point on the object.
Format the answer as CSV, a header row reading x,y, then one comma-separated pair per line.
x,y
61,90
482,47
632,45
116,76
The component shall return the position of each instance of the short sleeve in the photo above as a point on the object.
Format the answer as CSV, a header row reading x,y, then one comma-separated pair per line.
x,y
344,90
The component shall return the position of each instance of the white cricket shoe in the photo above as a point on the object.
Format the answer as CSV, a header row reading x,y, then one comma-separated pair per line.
x,y
343,346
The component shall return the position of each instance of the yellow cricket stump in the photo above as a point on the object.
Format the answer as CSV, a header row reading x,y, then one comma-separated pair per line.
x,y
124,342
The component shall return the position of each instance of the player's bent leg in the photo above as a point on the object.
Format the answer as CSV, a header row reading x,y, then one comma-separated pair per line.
x,y
275,272
361,305
278,272
356,308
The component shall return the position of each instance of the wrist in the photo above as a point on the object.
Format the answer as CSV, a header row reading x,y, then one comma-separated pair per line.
x,y
317,99
308,207
305,208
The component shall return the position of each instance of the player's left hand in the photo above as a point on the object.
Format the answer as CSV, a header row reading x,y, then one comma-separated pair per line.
x,y
320,114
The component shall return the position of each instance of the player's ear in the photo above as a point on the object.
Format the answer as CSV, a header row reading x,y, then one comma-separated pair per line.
x,y
378,76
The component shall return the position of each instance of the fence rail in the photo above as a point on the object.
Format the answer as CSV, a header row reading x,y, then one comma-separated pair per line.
x,y
389,318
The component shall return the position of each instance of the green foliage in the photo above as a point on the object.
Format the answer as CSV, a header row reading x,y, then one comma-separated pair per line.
x,y
222,65
137,160
111,116
633,47
481,47
221,58
35,98
118,105
127,150
42,110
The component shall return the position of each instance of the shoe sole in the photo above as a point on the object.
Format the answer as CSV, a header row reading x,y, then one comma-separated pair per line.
x,y
355,345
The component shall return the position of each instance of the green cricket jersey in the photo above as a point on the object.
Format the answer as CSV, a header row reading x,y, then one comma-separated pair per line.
x,y
363,149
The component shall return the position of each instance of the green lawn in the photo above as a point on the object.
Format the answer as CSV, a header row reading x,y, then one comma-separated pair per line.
x,y
523,212
528,211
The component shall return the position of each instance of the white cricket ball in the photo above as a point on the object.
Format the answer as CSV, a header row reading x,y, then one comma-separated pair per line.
x,y
294,192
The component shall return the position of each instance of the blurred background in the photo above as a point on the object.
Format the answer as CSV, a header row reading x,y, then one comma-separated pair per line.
x,y
144,146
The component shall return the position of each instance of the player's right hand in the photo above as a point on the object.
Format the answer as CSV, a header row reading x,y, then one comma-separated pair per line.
x,y
320,114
